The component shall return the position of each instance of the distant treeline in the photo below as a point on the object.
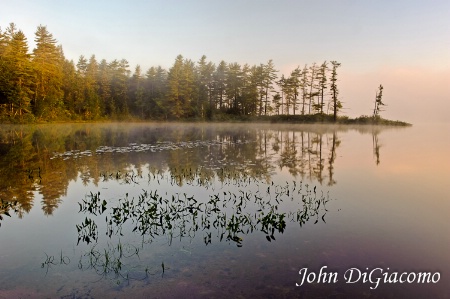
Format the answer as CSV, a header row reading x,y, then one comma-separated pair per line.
x,y
43,86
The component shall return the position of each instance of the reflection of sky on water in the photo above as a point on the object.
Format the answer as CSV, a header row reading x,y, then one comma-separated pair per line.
x,y
391,214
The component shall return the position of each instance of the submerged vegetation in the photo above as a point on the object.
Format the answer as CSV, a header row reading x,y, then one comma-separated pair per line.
x,y
249,206
45,86
226,215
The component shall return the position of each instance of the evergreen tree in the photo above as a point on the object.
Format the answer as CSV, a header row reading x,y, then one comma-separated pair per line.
x,y
5,70
3,42
304,86
119,75
175,96
378,101
47,65
189,89
205,87
233,87
276,101
282,85
268,80
104,88
82,66
18,77
93,103
334,90
312,85
80,89
136,91
69,86
252,91
3,73
156,90
182,89
322,78
294,85
219,83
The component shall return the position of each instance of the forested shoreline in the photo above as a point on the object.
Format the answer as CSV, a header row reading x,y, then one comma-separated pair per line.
x,y
42,85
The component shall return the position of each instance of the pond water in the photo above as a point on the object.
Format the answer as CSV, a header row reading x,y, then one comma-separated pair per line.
x,y
224,210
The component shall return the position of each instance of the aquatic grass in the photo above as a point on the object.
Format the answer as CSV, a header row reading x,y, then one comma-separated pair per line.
x,y
51,260
126,177
244,205
93,204
87,231
116,262
225,215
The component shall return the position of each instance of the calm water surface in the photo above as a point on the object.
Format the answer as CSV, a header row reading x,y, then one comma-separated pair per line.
x,y
222,210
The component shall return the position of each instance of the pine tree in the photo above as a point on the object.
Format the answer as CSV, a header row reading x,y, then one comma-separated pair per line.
x,y
269,77
219,83
5,71
276,101
19,74
312,86
156,91
47,64
294,82
182,90
334,90
69,86
322,77
233,87
119,76
304,86
282,85
94,108
378,102
252,91
80,93
205,72
104,88
136,91
189,88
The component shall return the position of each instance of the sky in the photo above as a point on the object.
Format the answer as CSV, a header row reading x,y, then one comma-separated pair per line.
x,y
403,44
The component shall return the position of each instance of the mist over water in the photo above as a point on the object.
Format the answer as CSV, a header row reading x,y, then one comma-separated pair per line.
x,y
213,210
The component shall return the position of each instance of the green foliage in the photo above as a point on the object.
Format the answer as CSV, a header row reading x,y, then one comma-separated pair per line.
x,y
45,86
15,74
182,94
47,61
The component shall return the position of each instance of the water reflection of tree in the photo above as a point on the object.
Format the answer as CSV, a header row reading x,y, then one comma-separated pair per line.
x,y
303,153
17,165
28,163
332,156
376,146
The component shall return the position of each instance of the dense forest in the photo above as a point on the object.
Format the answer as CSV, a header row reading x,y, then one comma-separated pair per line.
x,y
42,85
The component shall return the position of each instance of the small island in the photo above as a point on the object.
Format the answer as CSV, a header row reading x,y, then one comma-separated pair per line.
x,y
44,86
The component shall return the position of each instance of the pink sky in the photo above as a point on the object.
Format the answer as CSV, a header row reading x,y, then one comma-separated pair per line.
x,y
411,94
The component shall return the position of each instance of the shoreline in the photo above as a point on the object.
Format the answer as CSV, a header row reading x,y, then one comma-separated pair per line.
x,y
224,118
